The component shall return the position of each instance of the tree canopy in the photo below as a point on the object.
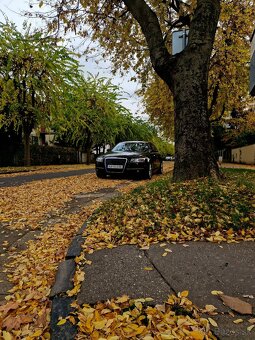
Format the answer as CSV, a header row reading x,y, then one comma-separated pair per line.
x,y
228,76
95,118
35,74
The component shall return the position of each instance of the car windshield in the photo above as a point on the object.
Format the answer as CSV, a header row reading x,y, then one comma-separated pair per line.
x,y
131,147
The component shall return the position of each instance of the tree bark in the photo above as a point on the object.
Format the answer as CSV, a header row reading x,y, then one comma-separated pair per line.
x,y
26,138
194,156
186,75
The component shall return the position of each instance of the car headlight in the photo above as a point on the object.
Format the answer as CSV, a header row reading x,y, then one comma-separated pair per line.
x,y
139,160
100,159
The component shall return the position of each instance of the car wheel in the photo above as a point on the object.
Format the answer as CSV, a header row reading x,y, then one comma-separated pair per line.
x,y
100,173
160,170
148,173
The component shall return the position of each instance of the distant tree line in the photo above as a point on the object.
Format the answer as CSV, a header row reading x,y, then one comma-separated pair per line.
x,y
41,85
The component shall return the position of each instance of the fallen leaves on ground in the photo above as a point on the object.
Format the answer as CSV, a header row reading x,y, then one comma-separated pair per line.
x,y
181,215
236,304
125,318
26,313
198,210
32,272
27,205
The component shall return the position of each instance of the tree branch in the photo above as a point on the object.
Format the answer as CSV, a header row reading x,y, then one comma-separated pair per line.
x,y
204,24
149,24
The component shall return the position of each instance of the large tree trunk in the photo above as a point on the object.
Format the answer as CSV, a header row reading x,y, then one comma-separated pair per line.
x,y
27,127
26,139
194,156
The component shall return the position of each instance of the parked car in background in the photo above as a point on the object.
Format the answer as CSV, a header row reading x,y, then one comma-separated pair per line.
x,y
130,157
169,158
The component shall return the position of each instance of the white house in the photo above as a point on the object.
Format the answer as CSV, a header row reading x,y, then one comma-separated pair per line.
x,y
245,154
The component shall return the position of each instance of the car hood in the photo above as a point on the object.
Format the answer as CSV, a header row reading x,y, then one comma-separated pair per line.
x,y
125,154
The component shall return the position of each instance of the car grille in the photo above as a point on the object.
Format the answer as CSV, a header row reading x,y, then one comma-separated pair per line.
x,y
116,165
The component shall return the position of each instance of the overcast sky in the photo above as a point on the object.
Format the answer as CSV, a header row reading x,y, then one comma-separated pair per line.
x,y
13,10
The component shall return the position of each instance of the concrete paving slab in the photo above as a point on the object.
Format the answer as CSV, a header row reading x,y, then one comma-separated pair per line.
x,y
227,330
21,243
119,271
203,266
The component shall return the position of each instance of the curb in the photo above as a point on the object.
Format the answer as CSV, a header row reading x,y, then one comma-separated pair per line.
x,y
61,302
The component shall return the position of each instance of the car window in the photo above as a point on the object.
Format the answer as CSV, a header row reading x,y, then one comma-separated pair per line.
x,y
131,147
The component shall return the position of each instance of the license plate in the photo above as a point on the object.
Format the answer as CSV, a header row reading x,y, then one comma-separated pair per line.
x,y
114,166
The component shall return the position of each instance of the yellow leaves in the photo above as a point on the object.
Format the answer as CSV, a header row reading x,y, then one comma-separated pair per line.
x,y
250,328
213,322
9,306
172,236
209,309
123,318
216,292
197,335
33,271
168,250
61,322
122,299
237,321
87,309
110,246
132,330
185,293
7,335
99,324
74,291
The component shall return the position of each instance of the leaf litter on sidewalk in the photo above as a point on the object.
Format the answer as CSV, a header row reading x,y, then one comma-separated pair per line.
x,y
162,211
26,313
205,209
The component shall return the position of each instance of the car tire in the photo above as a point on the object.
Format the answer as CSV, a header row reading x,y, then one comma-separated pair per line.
x,y
100,173
160,170
148,173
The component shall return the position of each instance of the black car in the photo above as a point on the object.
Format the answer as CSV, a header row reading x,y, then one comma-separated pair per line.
x,y
132,157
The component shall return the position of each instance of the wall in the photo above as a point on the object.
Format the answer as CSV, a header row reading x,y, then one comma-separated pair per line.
x,y
245,154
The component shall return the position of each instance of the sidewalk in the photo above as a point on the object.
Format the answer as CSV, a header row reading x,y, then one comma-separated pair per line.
x,y
199,267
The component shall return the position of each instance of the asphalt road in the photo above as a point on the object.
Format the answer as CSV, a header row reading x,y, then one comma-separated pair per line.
x,y
22,179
